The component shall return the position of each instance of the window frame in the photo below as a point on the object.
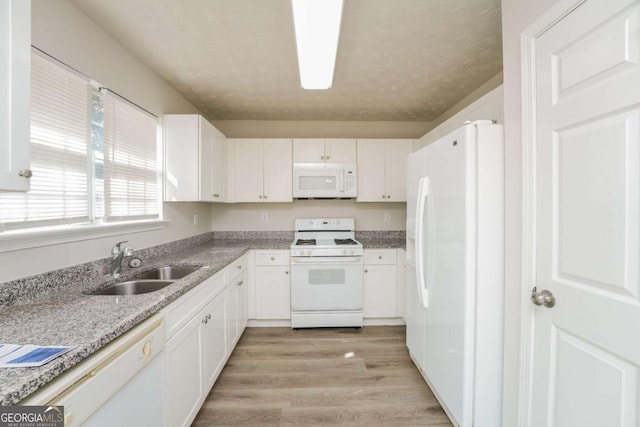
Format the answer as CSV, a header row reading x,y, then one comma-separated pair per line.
x,y
14,238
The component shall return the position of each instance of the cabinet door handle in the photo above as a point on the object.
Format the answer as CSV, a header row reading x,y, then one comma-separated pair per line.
x,y
321,157
26,173
240,283
388,196
384,197
286,272
146,349
326,157
265,197
216,195
379,256
273,258
260,196
366,271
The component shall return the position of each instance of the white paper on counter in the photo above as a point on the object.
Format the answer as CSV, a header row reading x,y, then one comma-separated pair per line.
x,y
24,356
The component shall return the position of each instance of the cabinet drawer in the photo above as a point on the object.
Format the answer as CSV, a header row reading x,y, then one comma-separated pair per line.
x,y
178,314
272,258
380,256
236,268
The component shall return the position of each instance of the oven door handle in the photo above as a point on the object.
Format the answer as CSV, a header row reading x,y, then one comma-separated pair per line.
x,y
326,260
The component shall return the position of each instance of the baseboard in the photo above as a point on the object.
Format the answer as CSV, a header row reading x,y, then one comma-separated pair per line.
x,y
286,323
279,323
384,321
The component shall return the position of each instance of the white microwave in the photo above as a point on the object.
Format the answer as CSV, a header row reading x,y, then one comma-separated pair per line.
x,y
324,180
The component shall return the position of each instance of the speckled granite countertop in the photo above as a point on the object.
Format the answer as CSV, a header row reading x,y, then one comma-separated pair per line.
x,y
55,308
68,316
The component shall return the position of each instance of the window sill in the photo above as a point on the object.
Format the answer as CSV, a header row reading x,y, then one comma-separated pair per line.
x,y
25,239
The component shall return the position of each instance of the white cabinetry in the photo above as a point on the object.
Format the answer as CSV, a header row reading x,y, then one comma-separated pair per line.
x,y
319,150
261,170
195,159
380,283
202,328
273,285
235,299
382,169
15,75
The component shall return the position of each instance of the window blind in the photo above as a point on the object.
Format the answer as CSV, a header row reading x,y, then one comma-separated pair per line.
x,y
131,181
59,191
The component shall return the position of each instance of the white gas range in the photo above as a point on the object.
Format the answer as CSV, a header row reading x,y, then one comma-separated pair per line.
x,y
326,274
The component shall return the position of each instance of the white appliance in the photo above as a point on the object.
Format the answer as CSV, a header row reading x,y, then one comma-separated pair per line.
x,y
326,274
455,263
325,180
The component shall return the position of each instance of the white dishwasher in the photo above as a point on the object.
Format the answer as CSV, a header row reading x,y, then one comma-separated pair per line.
x,y
120,385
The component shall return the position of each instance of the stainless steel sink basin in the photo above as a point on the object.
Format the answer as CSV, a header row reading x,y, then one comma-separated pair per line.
x,y
166,273
133,287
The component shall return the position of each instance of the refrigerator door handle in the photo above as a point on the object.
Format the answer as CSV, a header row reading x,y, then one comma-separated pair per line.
x,y
423,194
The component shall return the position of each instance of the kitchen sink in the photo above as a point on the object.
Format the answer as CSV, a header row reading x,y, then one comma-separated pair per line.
x,y
166,273
133,287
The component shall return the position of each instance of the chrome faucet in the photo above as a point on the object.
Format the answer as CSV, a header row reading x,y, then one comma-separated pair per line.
x,y
117,255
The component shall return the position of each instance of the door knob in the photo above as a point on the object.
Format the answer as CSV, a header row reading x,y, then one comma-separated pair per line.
x,y
544,297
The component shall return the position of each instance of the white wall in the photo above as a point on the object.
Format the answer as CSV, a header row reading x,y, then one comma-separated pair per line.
x,y
248,216
64,32
517,15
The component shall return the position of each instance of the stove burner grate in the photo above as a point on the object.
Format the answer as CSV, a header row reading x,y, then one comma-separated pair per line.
x,y
345,242
305,242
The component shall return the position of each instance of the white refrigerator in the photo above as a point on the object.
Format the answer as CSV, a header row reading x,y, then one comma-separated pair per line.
x,y
455,270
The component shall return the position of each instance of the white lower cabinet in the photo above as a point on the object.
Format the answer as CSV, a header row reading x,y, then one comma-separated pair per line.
x,y
212,336
183,383
202,327
380,283
273,285
235,300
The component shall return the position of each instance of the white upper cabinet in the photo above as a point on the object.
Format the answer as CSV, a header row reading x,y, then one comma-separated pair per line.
x,y
15,75
382,169
320,150
262,170
195,159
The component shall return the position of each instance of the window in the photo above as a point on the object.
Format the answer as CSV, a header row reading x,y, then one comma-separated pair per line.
x,y
130,162
94,155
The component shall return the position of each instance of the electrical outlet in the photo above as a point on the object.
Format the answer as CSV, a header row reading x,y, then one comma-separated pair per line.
x,y
196,220
387,217
265,217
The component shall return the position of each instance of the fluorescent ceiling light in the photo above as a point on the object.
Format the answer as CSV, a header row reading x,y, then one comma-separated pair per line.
x,y
317,25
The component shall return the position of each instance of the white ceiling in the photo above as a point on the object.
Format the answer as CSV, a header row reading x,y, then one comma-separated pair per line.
x,y
236,59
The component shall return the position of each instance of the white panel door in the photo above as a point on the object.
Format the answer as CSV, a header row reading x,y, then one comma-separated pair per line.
x,y
278,166
205,181
15,75
273,292
340,150
586,348
247,170
397,152
308,150
372,176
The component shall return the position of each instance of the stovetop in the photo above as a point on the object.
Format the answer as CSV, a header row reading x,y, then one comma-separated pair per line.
x,y
325,237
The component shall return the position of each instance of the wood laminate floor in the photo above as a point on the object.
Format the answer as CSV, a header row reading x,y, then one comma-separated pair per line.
x,y
317,377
